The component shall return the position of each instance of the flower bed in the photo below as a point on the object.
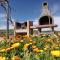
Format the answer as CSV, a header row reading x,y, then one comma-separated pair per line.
x,y
43,47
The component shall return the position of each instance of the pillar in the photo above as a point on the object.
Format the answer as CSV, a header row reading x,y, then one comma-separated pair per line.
x,y
29,31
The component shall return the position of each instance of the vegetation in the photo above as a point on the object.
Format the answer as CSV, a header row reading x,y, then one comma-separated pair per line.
x,y
43,47
3,32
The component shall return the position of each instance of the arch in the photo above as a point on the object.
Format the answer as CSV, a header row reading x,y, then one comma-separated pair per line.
x,y
44,20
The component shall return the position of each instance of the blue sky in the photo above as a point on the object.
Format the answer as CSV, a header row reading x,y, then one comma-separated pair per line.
x,y
22,10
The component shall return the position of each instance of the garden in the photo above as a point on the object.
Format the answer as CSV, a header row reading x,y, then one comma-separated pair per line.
x,y
42,47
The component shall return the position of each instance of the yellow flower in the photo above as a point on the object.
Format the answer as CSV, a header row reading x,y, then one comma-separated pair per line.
x,y
15,58
8,49
33,47
34,42
35,50
3,50
55,53
45,48
48,40
25,36
30,40
41,50
2,58
21,41
26,45
38,51
15,45
30,43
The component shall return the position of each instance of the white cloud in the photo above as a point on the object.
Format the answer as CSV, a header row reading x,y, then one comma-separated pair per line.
x,y
2,15
35,22
4,27
55,8
57,21
3,21
11,27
